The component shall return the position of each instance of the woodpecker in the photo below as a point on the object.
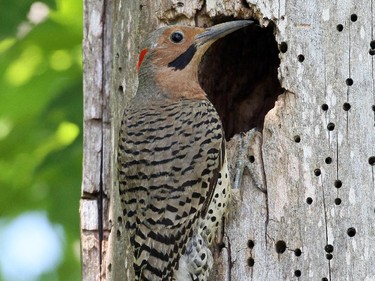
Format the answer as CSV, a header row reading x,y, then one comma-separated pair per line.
x,y
173,176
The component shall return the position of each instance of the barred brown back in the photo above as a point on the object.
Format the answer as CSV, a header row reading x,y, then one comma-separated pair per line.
x,y
169,156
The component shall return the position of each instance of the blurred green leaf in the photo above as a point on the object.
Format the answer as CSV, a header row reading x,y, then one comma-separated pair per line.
x,y
12,13
41,118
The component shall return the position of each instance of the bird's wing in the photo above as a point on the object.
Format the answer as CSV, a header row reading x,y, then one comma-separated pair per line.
x,y
169,159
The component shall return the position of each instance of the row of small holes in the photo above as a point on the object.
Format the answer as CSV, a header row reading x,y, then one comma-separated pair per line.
x,y
318,172
250,245
346,106
353,18
329,249
280,245
309,201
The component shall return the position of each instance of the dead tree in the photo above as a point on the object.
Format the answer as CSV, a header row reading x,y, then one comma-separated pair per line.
x,y
305,79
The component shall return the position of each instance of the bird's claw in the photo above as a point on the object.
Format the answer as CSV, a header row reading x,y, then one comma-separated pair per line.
x,y
244,160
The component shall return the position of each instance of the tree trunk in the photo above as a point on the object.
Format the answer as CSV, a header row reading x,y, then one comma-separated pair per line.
x,y
314,154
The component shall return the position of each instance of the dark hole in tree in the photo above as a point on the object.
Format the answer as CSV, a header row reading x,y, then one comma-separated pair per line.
x,y
330,126
346,106
250,262
325,106
283,47
371,160
351,231
338,201
309,200
329,256
353,17
328,248
339,27
297,273
251,159
338,183
239,74
317,172
280,246
297,252
250,244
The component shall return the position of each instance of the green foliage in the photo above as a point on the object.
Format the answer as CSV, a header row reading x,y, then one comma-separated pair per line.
x,y
41,118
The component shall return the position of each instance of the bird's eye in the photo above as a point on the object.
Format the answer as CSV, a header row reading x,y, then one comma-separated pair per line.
x,y
177,37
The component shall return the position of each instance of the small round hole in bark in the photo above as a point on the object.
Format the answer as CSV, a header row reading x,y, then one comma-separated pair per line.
x,y
331,126
250,262
372,44
324,279
250,244
338,183
328,160
338,201
251,159
329,256
280,246
339,27
121,89
351,231
346,106
118,234
353,17
119,219
297,252
349,81
309,200
109,267
328,248
324,107
239,74
373,107
301,58
297,139
283,47
371,160
371,52
120,69
297,273
317,172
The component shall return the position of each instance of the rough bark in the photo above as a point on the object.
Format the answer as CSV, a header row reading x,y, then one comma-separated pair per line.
x,y
317,218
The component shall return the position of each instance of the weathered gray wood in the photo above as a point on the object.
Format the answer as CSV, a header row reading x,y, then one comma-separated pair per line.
x,y
285,213
97,149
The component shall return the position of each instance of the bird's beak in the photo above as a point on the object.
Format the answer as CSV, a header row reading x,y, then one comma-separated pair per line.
x,y
215,32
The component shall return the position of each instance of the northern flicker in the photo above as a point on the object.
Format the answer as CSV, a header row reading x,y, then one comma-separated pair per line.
x,y
173,174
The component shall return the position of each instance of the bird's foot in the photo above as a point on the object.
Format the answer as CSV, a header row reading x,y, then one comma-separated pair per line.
x,y
245,160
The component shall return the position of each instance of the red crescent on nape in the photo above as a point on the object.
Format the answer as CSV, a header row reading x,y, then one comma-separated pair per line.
x,y
141,57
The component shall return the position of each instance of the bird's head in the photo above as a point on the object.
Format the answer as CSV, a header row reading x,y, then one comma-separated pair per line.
x,y
171,55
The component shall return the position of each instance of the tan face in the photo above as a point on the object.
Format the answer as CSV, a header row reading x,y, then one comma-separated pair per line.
x,y
175,42
173,60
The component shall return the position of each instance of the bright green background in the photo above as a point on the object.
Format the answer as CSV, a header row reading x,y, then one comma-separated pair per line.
x,y
41,119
